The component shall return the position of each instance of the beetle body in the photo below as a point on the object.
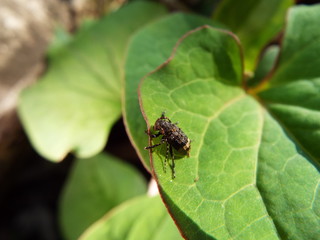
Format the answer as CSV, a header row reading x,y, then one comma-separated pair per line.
x,y
173,137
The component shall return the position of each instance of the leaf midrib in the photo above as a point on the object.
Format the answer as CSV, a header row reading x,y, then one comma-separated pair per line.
x,y
209,119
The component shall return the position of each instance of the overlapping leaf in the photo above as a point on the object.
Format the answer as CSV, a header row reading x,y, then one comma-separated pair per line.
x,y
292,93
142,218
255,22
74,105
251,173
289,170
266,64
95,186
200,87
150,48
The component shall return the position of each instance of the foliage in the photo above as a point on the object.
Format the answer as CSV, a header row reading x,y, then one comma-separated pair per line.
x,y
253,171
90,191
147,213
79,97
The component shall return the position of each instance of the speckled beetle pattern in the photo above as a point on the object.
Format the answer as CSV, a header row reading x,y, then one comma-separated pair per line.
x,y
173,137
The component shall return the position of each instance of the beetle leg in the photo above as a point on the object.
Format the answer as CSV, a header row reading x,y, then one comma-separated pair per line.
x,y
153,146
155,135
156,145
167,156
173,164
152,135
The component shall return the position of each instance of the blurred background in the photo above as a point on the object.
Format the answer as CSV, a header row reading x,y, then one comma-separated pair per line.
x,y
30,186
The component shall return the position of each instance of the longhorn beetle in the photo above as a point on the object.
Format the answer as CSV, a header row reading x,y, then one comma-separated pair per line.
x,y
172,136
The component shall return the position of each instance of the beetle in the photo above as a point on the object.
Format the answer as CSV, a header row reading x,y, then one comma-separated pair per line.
x,y
173,137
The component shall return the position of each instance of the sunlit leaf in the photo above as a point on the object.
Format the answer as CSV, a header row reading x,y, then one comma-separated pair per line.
x,y
95,186
150,48
74,105
250,175
142,218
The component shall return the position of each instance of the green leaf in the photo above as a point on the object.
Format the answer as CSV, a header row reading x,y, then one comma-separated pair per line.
x,y
255,22
95,186
292,93
301,42
246,177
289,183
265,65
142,218
149,48
213,195
74,105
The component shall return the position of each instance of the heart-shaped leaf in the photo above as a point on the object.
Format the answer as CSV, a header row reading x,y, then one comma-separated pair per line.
x,y
255,22
95,186
201,88
250,174
142,218
74,105
152,45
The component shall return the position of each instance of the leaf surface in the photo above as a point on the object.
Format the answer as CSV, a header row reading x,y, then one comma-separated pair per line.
x,y
214,194
249,175
149,48
289,168
74,105
95,186
142,218
292,92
